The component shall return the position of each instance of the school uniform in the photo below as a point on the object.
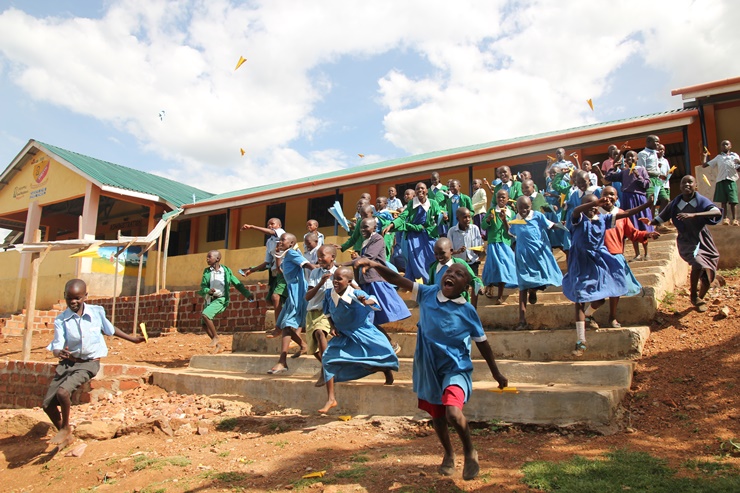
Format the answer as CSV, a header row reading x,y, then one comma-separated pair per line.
x,y
293,313
275,280
536,266
419,222
573,201
635,184
437,271
392,306
360,349
395,204
467,238
315,317
480,207
514,189
593,273
221,280
614,242
500,266
725,190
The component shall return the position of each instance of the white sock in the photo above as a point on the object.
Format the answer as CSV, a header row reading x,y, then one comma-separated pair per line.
x,y
581,331
589,311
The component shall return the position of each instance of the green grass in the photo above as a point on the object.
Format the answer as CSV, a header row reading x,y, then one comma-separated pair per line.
x,y
353,473
227,477
729,272
621,471
668,299
142,462
227,424
359,458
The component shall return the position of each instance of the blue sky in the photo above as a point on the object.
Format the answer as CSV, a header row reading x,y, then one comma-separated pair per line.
x,y
329,79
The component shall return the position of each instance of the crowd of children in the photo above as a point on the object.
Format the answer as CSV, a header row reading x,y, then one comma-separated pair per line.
x,y
436,236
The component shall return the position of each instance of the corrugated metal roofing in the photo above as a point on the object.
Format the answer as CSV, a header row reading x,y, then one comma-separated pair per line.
x,y
118,176
433,154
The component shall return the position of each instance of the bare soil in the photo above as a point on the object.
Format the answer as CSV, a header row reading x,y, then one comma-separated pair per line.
x,y
683,406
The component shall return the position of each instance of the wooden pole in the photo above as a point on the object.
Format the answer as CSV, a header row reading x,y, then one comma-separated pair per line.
x,y
138,287
164,254
31,289
115,284
159,255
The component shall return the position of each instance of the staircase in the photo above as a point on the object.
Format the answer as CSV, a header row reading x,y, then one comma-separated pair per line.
x,y
554,387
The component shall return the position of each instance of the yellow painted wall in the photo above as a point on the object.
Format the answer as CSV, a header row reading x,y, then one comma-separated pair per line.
x,y
56,269
728,126
41,179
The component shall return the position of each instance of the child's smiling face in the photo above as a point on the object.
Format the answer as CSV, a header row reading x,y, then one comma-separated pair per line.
x,y
502,198
421,192
312,226
610,194
454,187
286,242
367,227
594,209
325,257
443,251
504,174
455,280
523,206
310,243
341,279
688,186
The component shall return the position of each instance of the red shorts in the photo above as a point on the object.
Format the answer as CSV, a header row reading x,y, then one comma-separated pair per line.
x,y
453,395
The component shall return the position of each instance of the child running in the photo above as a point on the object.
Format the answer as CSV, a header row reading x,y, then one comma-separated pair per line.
x,y
357,349
536,267
593,273
691,213
293,315
635,183
500,267
614,241
214,288
317,324
419,221
442,362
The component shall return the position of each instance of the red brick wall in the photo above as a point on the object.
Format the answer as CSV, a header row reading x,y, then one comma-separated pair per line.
x,y
24,384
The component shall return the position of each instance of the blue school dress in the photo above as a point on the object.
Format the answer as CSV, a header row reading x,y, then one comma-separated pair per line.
x,y
420,225
593,273
536,266
442,356
500,266
555,235
574,200
392,306
293,313
359,349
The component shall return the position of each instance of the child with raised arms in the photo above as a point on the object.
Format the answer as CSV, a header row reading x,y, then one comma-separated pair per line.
x,y
512,187
500,267
593,274
357,349
691,213
581,187
317,324
536,267
443,367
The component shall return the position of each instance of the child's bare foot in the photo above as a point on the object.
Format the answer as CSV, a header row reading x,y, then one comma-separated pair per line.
x,y
523,326
471,467
279,368
615,324
299,352
329,404
68,440
388,377
499,301
448,466
214,342
218,348
61,435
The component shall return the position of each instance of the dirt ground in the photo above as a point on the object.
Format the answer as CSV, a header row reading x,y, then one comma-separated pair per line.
x,y
683,406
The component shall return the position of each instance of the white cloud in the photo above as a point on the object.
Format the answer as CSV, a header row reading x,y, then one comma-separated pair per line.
x,y
500,69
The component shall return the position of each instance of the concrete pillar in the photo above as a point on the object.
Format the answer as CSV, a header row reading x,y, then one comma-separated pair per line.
x,y
33,221
89,222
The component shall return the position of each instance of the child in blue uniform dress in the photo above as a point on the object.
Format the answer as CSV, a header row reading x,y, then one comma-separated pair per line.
x,y
442,362
443,254
293,315
357,349
536,267
500,267
581,187
419,221
552,197
593,274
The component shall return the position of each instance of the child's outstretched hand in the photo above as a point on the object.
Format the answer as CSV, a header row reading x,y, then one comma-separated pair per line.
x,y
503,382
247,226
363,262
653,235
387,229
685,215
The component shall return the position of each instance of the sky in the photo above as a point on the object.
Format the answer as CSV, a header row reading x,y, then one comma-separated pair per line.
x,y
327,80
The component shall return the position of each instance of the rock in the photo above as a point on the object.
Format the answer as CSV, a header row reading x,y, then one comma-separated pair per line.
x,y
22,424
724,312
184,430
96,430
77,451
202,430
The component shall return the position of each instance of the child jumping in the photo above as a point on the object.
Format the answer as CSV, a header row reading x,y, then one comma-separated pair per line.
x,y
536,267
317,324
214,288
357,349
691,213
500,267
442,362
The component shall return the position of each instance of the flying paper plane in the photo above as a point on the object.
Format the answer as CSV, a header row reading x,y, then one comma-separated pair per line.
x,y
161,115
242,150
239,63
590,103
361,155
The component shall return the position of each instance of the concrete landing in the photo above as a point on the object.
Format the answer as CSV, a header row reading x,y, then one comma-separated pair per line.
x,y
529,345
535,404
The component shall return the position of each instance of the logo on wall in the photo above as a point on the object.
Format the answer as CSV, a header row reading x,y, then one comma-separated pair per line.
x,y
40,169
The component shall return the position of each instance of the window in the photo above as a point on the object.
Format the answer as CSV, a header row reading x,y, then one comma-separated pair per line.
x,y
318,209
216,228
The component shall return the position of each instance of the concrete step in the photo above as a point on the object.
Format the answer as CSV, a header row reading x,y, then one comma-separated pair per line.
x,y
591,405
571,372
529,345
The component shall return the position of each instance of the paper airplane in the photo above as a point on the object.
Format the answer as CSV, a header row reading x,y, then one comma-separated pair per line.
x,y
706,180
242,151
505,390
239,63
550,159
336,212
656,193
590,104
161,115
361,155
517,221
315,474
344,418
142,326
706,150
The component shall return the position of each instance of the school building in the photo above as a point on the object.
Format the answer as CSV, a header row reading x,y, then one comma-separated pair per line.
x,y
66,195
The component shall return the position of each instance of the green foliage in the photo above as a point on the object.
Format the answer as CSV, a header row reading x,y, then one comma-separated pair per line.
x,y
227,424
621,471
142,462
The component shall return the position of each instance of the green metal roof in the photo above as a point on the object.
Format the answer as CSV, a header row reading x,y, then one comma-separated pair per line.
x,y
430,155
115,175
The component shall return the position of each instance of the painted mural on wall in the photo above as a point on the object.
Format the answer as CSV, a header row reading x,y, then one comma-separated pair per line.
x,y
127,262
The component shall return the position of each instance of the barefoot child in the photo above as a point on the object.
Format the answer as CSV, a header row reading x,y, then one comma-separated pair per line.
x,y
442,362
614,241
317,324
214,288
593,274
79,344
691,213
357,349
293,315
536,267
500,267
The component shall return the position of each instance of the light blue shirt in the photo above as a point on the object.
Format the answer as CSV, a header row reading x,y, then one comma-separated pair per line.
x,y
395,204
648,159
468,238
272,242
82,336
317,302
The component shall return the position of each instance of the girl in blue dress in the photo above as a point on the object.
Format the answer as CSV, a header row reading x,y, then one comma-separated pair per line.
x,y
581,187
500,267
293,315
419,221
536,267
442,363
593,274
357,349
